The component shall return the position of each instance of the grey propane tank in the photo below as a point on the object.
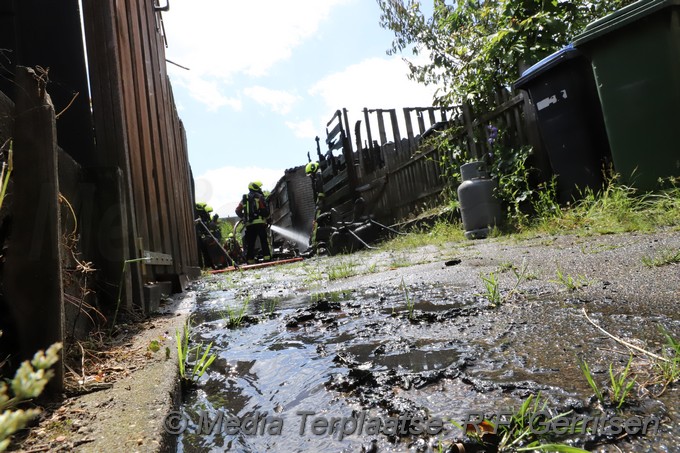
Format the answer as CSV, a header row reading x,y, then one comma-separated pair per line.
x,y
479,207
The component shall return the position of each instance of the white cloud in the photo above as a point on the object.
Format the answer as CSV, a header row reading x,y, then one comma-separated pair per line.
x,y
206,91
373,83
223,187
376,83
303,129
279,101
219,39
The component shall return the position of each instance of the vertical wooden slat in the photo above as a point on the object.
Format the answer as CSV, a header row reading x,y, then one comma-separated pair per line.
x,y
395,130
421,121
135,99
33,273
111,130
168,151
159,200
409,127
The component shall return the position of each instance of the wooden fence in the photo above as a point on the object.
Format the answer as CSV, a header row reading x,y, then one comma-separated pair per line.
x,y
100,227
139,131
397,175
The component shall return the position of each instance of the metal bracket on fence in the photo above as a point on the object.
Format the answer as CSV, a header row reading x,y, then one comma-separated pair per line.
x,y
158,259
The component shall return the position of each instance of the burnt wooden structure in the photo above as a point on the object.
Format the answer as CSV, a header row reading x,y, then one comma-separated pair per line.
x,y
387,163
99,215
292,204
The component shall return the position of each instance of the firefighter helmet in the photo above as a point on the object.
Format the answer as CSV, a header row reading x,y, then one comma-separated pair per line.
x,y
311,168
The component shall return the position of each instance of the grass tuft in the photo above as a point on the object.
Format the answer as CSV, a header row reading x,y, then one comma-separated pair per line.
x,y
202,358
233,317
662,259
570,282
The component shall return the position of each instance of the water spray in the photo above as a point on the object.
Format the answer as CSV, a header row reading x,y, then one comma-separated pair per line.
x,y
295,236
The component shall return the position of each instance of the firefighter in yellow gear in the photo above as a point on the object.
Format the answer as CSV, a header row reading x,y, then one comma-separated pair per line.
x,y
254,212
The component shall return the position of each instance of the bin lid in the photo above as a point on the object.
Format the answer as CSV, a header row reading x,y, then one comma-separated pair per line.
x,y
566,53
622,17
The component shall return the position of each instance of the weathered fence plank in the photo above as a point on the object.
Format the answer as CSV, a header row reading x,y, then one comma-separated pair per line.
x,y
32,272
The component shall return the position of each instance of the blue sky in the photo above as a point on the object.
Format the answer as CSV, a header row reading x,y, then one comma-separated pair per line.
x,y
266,76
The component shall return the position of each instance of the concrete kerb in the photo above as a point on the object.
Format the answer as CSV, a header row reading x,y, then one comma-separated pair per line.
x,y
129,417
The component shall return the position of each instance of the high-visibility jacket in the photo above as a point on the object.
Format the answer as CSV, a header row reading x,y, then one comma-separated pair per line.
x,y
253,208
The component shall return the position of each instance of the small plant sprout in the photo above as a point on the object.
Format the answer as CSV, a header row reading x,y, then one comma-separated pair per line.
x,y
269,306
668,370
570,282
233,317
585,369
667,365
492,284
506,266
202,357
410,304
154,346
342,270
621,384
492,290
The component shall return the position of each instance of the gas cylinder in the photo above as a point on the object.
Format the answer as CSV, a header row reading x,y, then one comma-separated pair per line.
x,y
479,207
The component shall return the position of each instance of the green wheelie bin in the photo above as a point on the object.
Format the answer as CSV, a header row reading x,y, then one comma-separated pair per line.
x,y
635,56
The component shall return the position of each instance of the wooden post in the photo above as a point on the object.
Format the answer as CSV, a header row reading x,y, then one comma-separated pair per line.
x,y
433,119
33,274
409,128
421,121
369,136
395,130
468,119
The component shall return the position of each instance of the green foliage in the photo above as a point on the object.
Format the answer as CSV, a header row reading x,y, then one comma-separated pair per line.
x,y
476,49
509,168
28,382
154,346
313,275
492,285
202,358
506,164
269,306
440,234
616,209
